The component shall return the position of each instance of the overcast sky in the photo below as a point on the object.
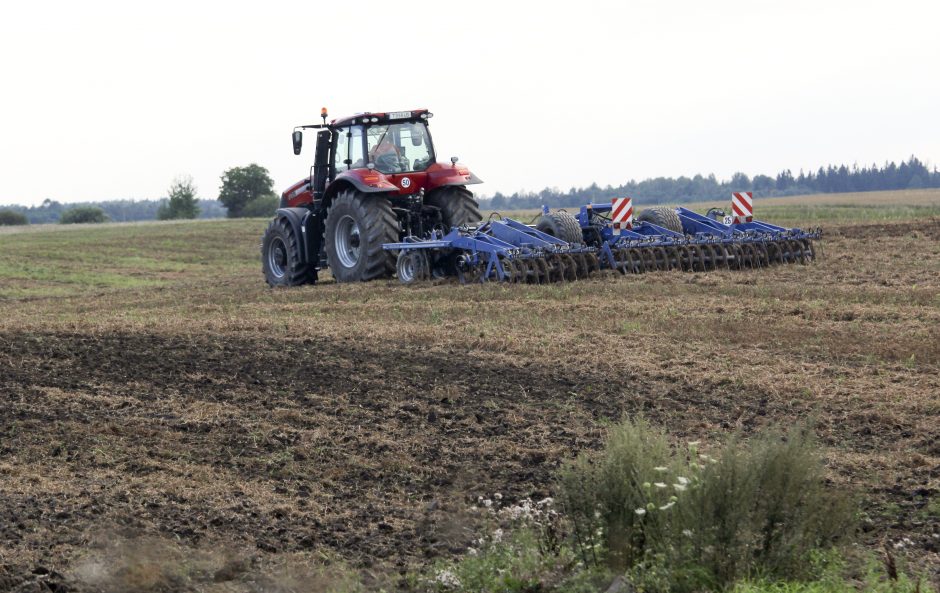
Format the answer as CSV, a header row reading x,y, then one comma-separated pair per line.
x,y
110,100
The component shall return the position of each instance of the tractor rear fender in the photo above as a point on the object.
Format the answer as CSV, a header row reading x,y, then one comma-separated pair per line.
x,y
303,222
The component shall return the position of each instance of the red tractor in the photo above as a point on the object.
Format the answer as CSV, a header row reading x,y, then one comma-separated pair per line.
x,y
375,180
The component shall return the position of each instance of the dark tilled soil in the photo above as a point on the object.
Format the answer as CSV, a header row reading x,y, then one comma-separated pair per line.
x,y
371,451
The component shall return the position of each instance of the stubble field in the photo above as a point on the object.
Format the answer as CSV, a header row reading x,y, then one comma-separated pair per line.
x,y
153,389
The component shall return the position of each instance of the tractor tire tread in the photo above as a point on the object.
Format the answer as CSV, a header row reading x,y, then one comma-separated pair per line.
x,y
457,204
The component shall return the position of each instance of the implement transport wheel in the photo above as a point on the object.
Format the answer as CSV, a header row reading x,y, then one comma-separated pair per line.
x,y
664,217
280,256
561,225
413,266
458,208
356,227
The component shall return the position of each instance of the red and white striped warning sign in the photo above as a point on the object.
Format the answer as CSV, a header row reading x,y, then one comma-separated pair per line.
x,y
742,206
621,213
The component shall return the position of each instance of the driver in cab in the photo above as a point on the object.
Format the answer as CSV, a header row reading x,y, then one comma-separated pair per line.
x,y
385,155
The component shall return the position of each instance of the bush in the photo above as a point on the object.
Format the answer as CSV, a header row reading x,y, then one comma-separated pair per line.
x,y
181,200
261,207
12,218
83,214
678,520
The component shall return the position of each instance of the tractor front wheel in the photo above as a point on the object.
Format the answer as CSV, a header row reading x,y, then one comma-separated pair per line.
x,y
281,256
356,227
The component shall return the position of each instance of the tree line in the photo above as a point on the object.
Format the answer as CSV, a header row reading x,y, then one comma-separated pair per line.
x,y
910,174
244,192
249,192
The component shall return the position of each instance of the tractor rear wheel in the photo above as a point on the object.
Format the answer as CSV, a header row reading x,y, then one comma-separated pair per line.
x,y
561,225
281,256
356,227
457,205
664,217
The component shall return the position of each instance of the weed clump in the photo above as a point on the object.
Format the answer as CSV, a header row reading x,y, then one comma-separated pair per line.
x,y
681,520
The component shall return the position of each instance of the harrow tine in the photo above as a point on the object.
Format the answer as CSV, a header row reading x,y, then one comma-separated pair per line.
x,y
571,267
700,253
675,263
630,259
594,264
725,257
711,264
776,252
748,250
809,249
798,247
785,251
582,265
619,261
531,270
738,256
649,259
544,276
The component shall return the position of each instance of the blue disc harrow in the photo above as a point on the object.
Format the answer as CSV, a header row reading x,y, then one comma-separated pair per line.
x,y
506,250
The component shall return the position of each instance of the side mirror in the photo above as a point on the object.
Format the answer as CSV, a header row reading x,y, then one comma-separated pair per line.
x,y
298,138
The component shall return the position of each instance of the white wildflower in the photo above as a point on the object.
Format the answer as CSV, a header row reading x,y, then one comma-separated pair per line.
x,y
682,480
498,536
497,496
448,579
487,503
661,468
687,532
545,502
472,551
679,487
666,507
660,484
640,511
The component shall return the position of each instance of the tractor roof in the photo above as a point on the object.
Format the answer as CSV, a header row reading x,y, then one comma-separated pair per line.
x,y
385,117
